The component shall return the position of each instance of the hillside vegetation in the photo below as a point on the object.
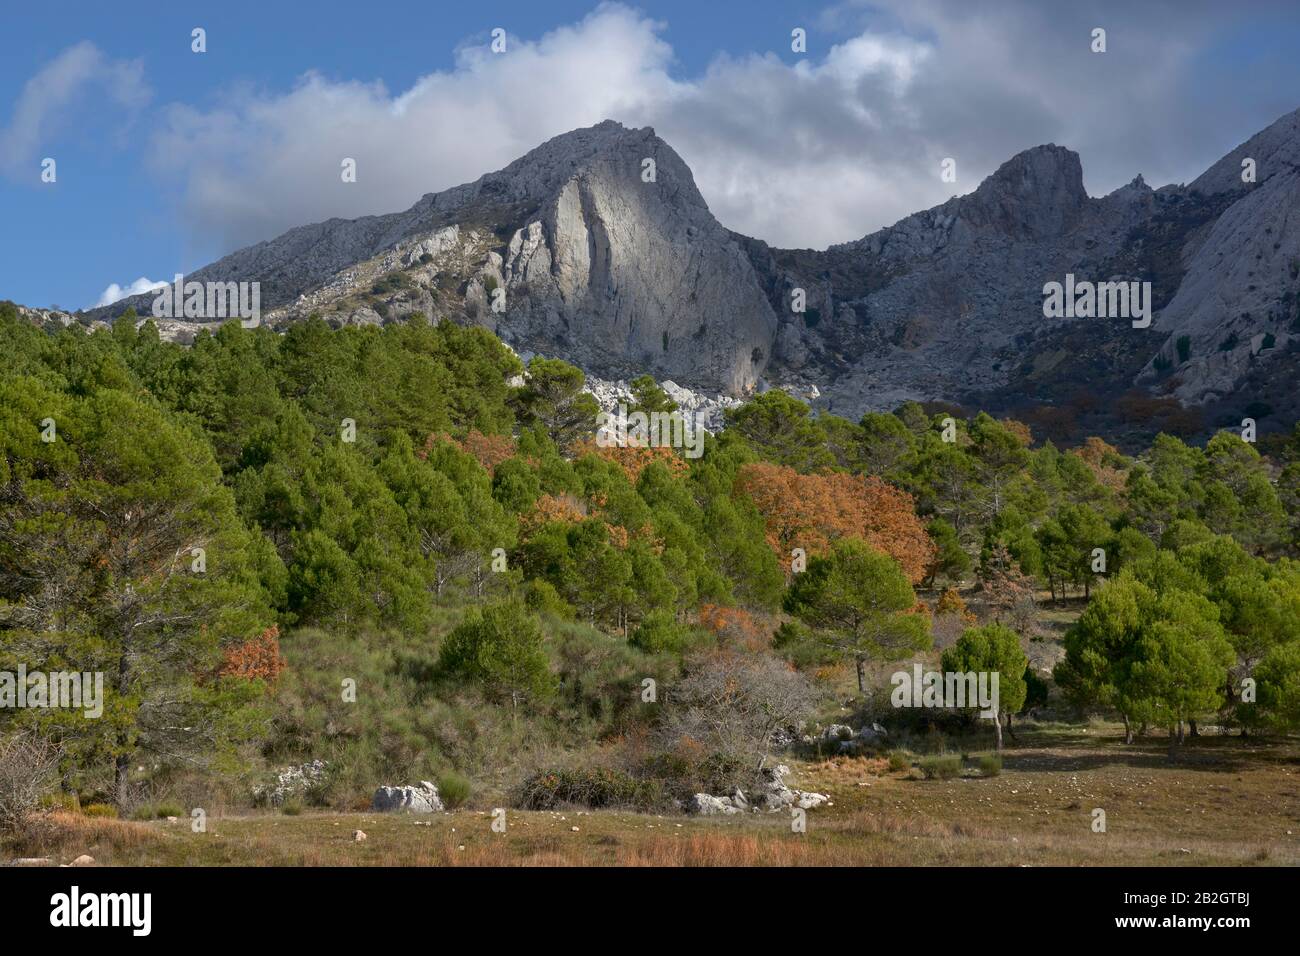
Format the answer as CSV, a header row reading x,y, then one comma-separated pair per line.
x,y
401,553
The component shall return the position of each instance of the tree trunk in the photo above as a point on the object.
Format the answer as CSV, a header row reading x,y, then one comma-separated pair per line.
x,y
121,769
862,674
1009,730
1192,724
122,763
1180,733
1128,730
997,726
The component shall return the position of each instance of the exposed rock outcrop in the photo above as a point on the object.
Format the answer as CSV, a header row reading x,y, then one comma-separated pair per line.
x,y
421,799
597,247
772,795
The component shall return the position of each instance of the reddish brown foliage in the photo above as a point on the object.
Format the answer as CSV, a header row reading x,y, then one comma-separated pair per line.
x,y
950,602
1098,455
1020,430
565,508
811,511
634,459
734,627
488,450
256,659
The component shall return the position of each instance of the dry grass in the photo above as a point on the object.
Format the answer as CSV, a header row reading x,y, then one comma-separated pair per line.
x,y
62,834
1226,801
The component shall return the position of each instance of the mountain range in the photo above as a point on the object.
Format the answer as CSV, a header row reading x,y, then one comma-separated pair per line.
x,y
597,247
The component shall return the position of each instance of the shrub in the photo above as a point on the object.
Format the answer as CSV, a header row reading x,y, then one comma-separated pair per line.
x,y
588,787
990,765
105,810
258,658
165,810
28,770
941,766
291,807
731,704
900,760
659,633
67,802
454,789
501,648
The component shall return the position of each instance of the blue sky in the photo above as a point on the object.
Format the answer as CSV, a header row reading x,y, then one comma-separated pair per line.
x,y
167,159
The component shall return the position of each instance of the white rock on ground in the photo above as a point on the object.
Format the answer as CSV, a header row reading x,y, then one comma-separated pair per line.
x,y
421,799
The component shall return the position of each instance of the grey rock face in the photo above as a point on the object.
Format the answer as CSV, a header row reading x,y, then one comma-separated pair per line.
x,y
292,782
574,251
421,799
597,265
774,795
709,806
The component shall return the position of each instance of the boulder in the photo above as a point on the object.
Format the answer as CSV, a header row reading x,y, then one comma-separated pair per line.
x,y
421,799
292,782
709,806
836,732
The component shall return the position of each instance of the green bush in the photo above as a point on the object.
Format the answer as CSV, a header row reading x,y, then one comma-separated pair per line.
x,y
454,789
99,810
165,810
660,633
900,760
291,807
588,787
990,765
941,766
62,801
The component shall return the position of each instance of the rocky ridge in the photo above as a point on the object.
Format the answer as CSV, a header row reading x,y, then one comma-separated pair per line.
x,y
598,248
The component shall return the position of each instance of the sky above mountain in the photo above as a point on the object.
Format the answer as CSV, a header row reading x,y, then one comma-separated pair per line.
x,y
167,158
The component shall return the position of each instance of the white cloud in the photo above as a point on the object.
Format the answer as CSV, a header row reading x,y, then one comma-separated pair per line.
x,y
48,98
115,292
800,151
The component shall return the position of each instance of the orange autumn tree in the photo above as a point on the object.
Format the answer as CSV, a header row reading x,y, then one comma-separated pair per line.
x,y
813,511
950,602
565,508
488,450
258,658
634,459
1104,459
734,626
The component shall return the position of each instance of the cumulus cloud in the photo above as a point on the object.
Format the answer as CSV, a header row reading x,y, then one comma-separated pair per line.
x,y
115,292
48,100
800,151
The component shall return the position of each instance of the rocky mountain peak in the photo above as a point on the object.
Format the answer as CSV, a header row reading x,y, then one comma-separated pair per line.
x,y
597,247
1274,150
1036,193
